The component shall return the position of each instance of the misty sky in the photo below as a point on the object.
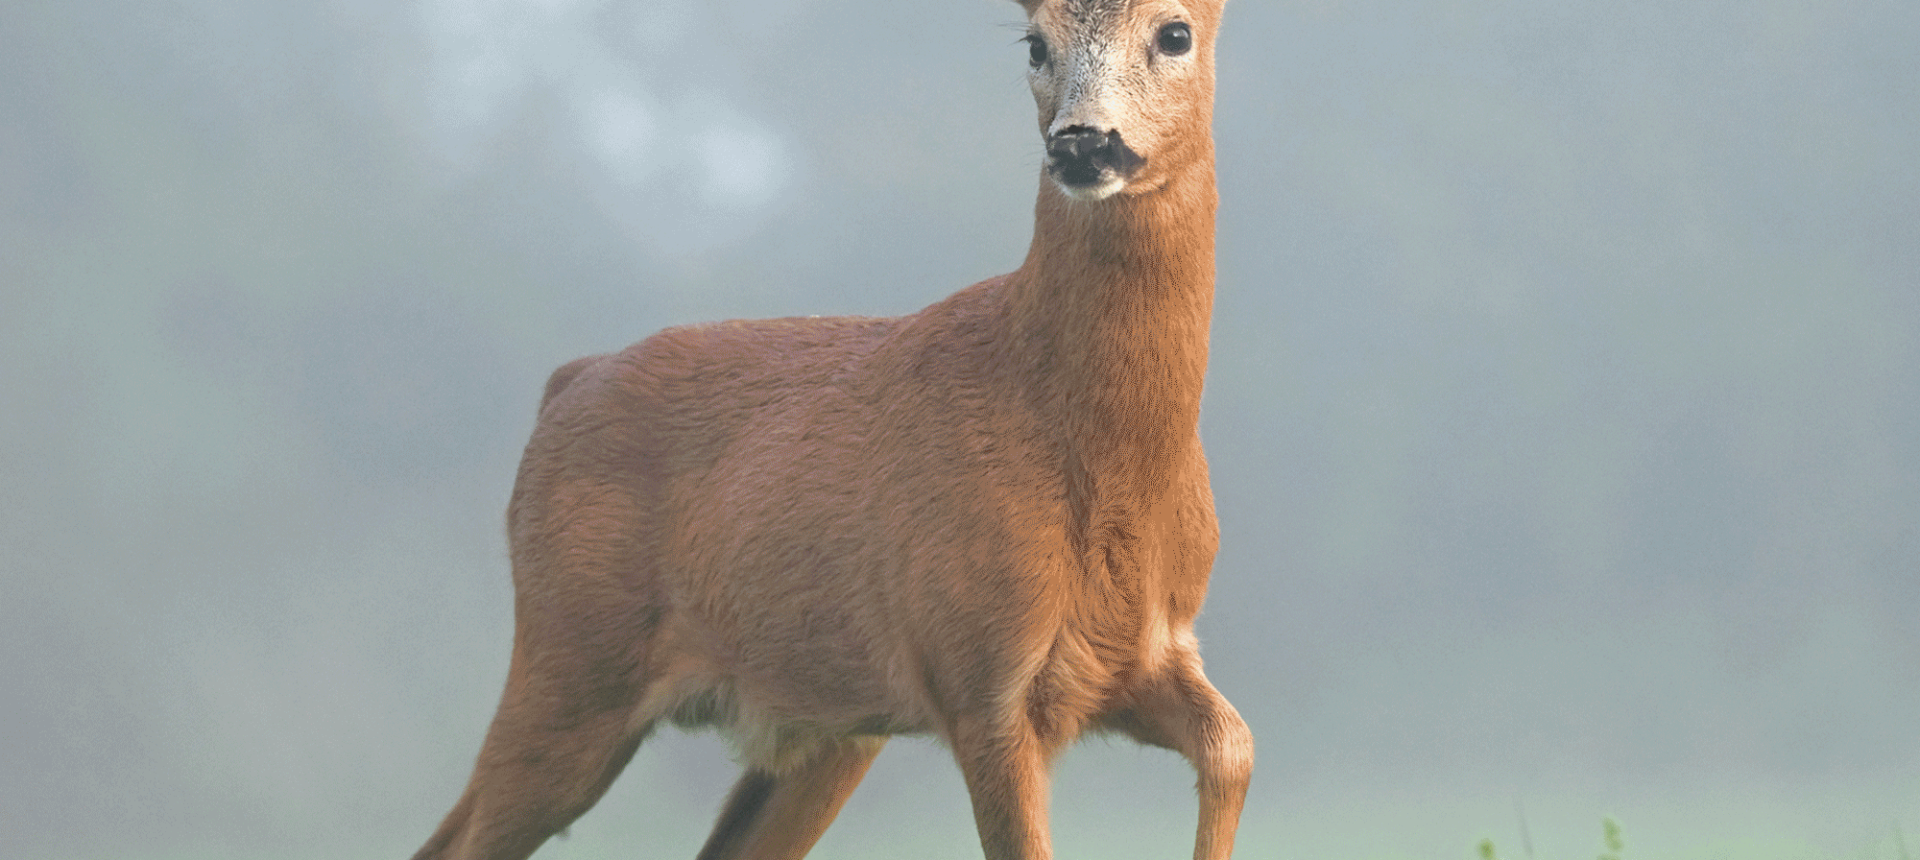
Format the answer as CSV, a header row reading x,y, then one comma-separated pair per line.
x,y
1564,406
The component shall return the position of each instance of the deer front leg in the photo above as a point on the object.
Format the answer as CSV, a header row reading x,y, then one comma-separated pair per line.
x,y
1223,755
1005,766
1183,712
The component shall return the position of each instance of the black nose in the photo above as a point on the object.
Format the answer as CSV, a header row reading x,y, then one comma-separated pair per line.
x,y
1082,156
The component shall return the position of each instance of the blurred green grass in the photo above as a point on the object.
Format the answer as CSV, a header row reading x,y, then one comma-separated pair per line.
x,y
1892,846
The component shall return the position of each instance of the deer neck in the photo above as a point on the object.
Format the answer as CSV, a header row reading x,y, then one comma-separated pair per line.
x,y
1113,305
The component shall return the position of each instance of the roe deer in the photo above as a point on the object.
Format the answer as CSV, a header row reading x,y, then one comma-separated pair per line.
x,y
989,521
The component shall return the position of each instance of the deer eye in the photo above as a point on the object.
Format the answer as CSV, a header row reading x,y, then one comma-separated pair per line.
x,y
1175,39
1036,50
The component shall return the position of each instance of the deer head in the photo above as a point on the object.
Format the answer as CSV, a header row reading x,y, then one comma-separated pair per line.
x,y
1125,90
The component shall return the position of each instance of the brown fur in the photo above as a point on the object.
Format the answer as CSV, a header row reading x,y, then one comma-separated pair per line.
x,y
989,520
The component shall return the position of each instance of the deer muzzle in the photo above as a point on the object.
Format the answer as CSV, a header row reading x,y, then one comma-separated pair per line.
x,y
1091,162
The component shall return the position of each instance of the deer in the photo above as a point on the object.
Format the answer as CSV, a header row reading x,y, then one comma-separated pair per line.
x,y
989,521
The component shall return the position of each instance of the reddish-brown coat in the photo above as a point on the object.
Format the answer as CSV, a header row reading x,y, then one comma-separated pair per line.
x,y
989,520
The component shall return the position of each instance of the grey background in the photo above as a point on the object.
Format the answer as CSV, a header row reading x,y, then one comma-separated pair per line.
x,y
1564,405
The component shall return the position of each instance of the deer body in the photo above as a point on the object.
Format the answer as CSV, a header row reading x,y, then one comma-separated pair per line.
x,y
989,520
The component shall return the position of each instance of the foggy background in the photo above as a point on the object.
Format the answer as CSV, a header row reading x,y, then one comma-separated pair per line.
x,y
1564,403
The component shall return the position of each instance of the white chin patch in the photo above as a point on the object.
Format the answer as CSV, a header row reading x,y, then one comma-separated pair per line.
x,y
1107,187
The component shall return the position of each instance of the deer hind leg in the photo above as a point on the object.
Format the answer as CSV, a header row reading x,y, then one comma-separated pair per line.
x,y
1185,713
771,816
564,730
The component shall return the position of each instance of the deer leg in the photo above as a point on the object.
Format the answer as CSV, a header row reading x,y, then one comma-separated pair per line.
x,y
1005,766
1184,713
555,745
772,816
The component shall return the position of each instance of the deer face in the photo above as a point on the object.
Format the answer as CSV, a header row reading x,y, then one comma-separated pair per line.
x,y
1125,90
